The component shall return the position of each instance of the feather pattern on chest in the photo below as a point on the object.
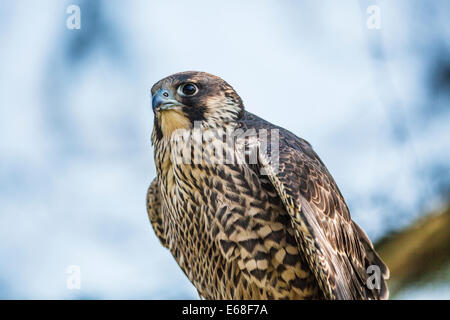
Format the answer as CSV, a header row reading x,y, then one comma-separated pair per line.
x,y
226,224
240,225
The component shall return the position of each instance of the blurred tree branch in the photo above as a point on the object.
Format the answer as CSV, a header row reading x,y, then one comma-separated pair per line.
x,y
419,253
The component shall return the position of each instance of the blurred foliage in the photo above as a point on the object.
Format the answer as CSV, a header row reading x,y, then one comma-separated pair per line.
x,y
419,254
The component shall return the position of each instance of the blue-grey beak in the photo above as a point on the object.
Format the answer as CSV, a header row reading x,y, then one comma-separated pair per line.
x,y
163,100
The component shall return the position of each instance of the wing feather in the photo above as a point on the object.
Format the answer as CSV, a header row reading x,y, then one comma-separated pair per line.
x,y
337,250
154,211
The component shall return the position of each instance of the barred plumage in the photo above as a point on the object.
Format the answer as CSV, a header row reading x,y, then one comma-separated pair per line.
x,y
238,233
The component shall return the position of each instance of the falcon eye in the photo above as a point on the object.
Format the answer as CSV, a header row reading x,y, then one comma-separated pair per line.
x,y
188,89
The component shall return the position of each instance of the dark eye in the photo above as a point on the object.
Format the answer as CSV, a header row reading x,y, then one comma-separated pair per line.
x,y
188,89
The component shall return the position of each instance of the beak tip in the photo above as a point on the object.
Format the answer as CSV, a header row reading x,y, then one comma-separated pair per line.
x,y
156,102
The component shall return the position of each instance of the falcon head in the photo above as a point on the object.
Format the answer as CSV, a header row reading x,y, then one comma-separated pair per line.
x,y
183,98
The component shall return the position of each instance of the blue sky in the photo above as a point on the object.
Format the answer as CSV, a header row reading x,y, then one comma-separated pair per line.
x,y
75,153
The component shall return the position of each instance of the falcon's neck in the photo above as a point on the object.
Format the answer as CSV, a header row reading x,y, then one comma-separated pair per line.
x,y
186,145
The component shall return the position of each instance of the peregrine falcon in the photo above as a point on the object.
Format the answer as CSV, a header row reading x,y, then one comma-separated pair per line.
x,y
255,216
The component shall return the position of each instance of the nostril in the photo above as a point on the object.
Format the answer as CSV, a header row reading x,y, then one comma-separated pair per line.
x,y
165,94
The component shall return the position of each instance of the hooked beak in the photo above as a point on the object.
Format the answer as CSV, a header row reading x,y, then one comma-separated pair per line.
x,y
163,100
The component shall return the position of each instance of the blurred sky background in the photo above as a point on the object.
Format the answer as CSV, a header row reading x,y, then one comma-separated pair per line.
x,y
75,122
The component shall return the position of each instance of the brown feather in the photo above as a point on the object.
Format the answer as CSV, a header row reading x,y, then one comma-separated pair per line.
x,y
241,234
